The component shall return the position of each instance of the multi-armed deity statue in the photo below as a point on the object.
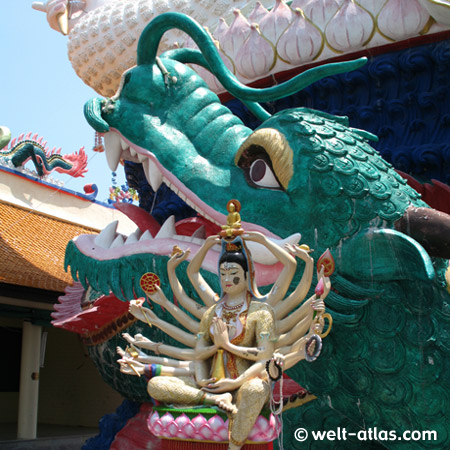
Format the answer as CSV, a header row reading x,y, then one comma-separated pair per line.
x,y
238,340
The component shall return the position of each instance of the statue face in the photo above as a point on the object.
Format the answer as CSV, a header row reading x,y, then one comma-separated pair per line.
x,y
232,278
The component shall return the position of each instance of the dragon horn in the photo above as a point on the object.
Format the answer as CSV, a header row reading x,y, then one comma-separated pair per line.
x,y
153,32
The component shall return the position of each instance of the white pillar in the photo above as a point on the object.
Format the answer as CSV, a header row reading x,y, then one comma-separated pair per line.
x,y
29,381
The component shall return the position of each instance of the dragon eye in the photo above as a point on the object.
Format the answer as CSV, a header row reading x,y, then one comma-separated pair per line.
x,y
261,174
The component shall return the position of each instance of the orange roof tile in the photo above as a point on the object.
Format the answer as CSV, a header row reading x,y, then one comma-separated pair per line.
x,y
32,248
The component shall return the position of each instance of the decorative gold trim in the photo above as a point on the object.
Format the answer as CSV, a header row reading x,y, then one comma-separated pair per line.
x,y
430,22
299,402
278,149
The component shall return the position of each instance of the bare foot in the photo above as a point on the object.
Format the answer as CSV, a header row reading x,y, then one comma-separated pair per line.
x,y
224,401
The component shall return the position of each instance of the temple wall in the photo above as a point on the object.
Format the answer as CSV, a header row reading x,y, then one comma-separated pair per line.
x,y
71,390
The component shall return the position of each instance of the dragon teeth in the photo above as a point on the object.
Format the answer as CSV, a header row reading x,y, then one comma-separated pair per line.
x,y
133,237
107,236
147,236
167,230
152,173
124,145
113,149
118,241
200,233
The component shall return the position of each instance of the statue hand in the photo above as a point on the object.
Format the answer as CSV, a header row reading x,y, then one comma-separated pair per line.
x,y
137,340
158,297
212,240
220,331
54,9
178,258
255,236
297,251
142,341
142,313
205,381
223,385
130,366
318,305
277,360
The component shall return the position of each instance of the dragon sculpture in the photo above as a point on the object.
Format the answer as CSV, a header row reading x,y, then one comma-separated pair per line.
x,y
31,148
386,363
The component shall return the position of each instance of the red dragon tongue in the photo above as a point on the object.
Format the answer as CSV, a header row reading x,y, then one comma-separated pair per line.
x,y
191,225
185,227
140,217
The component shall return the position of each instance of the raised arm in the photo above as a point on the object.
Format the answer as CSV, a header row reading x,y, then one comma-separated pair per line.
x,y
191,305
283,308
283,282
203,289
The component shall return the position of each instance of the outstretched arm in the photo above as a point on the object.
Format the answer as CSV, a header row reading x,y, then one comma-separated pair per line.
x,y
186,354
280,286
203,289
192,306
291,343
181,317
148,316
149,359
288,323
132,367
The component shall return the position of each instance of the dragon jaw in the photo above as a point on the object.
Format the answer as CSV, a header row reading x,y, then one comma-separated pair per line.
x,y
109,245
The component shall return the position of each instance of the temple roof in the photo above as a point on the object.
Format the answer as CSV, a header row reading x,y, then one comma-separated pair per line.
x,y
32,247
37,221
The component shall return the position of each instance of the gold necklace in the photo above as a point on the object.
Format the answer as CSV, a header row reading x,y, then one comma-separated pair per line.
x,y
228,316
231,308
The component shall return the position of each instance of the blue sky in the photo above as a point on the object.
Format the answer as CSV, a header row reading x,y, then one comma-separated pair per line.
x,y
41,92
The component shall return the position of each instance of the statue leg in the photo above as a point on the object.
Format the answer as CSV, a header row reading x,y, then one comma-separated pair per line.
x,y
184,391
250,399
175,390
